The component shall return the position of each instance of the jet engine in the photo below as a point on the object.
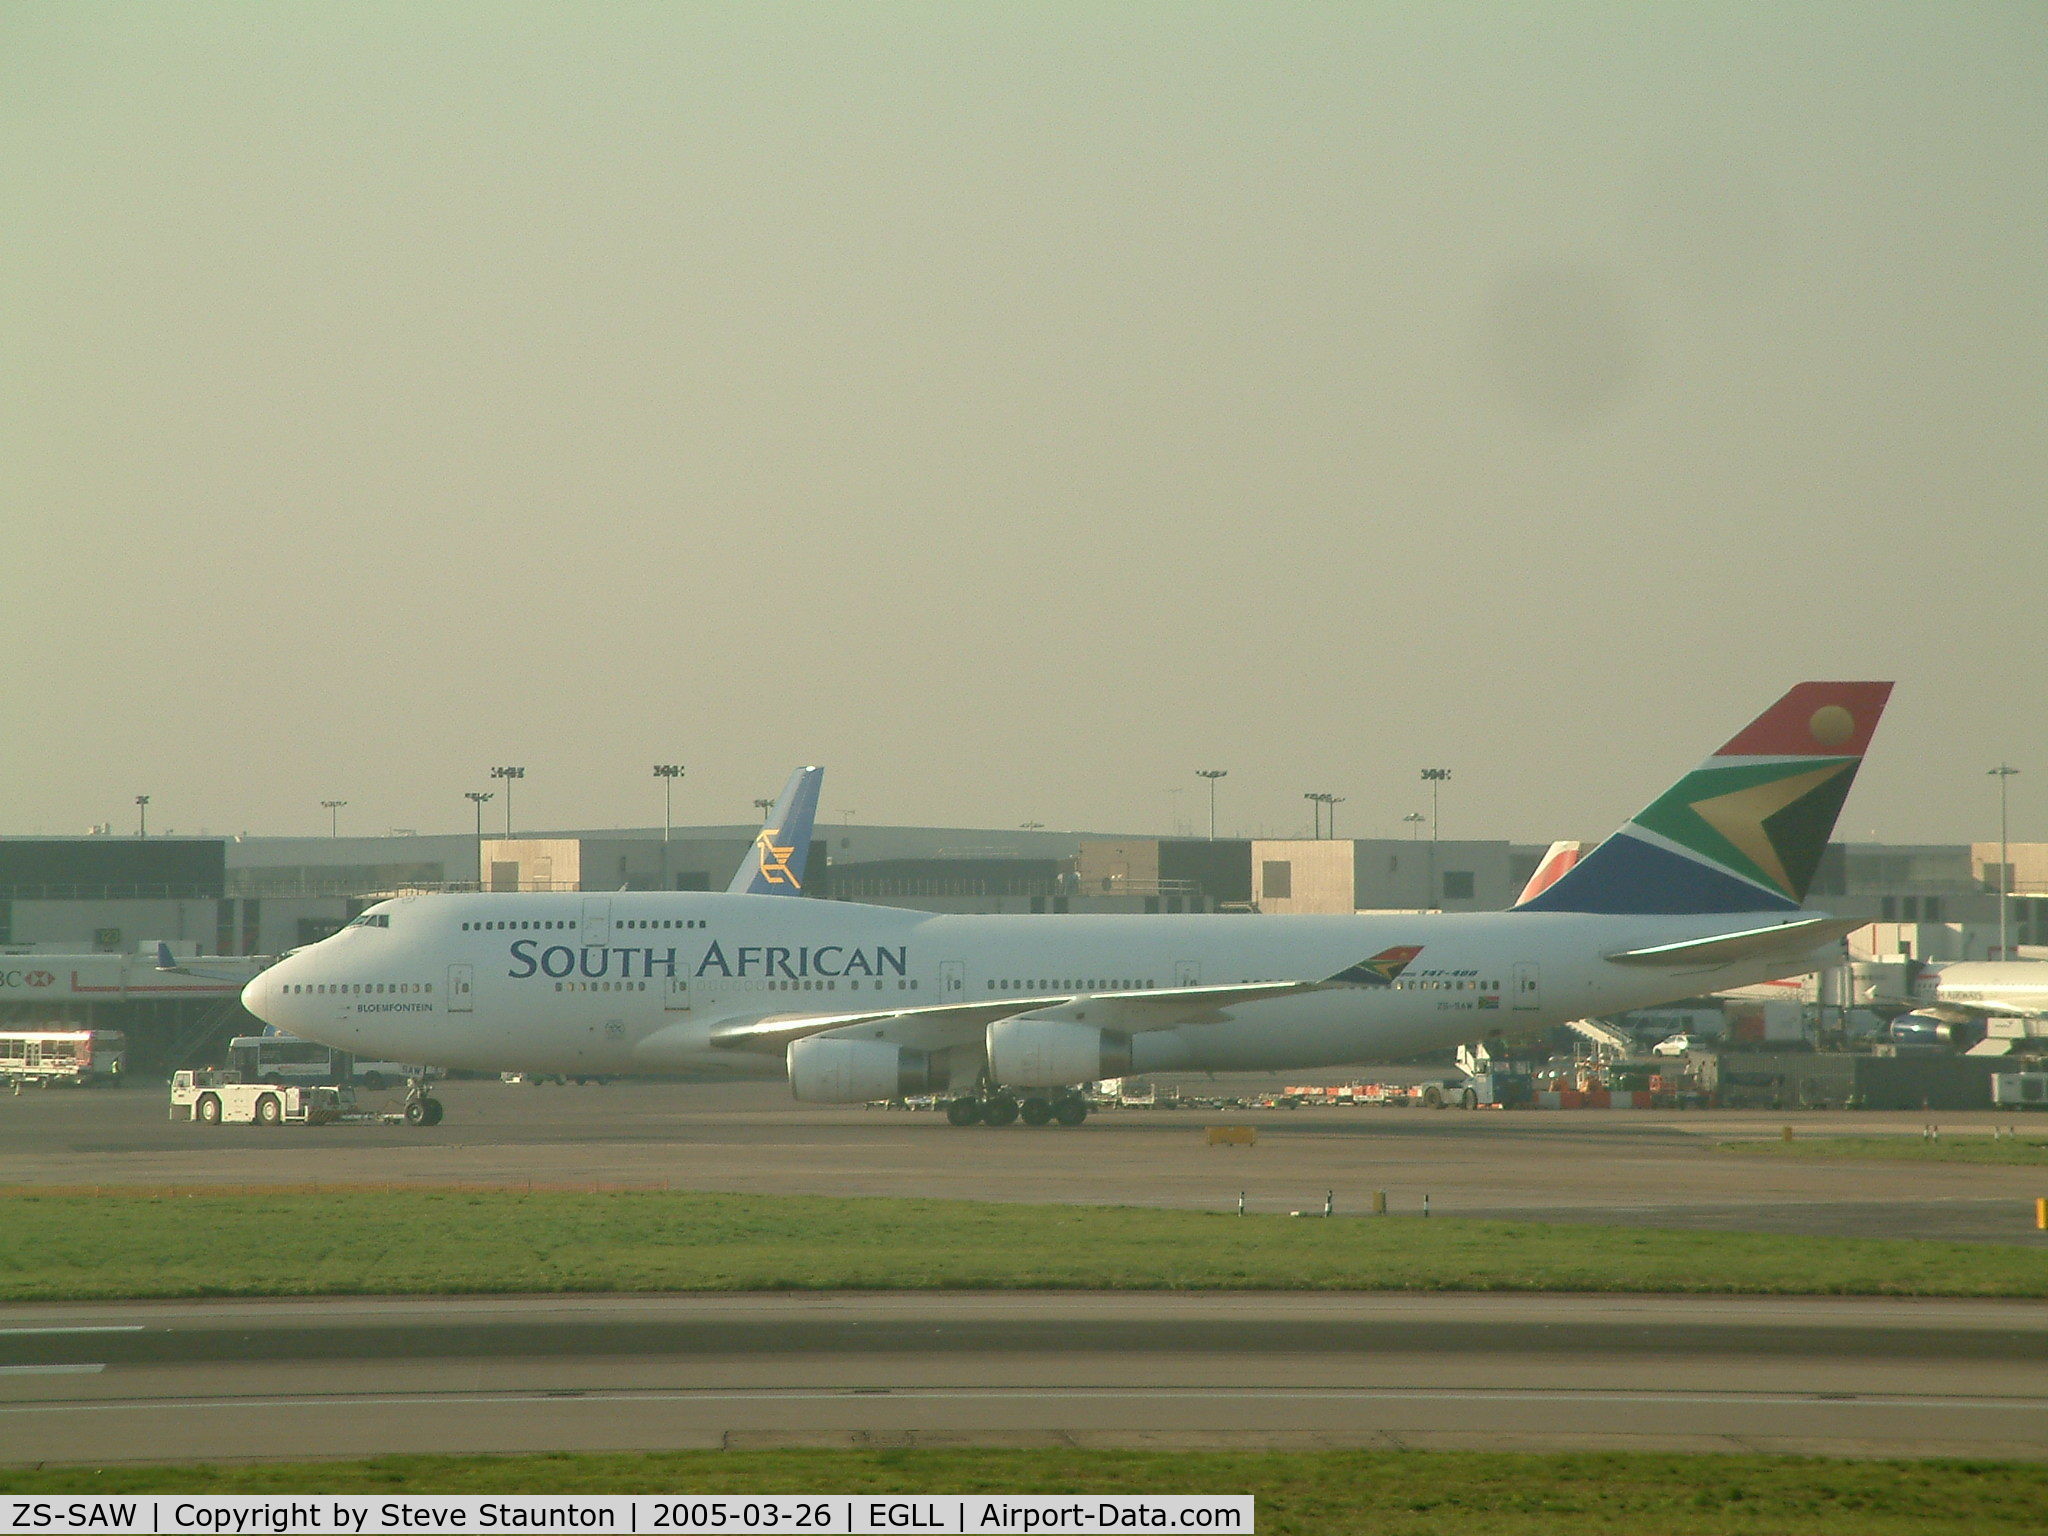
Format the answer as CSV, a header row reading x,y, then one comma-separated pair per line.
x,y
828,1071
1931,1032
1049,1053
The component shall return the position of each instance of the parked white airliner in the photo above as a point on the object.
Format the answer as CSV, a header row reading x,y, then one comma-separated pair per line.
x,y
2004,1000
1699,892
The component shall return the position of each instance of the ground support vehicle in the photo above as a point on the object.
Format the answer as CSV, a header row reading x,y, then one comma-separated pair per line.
x,y
219,1098
1446,1094
1500,1090
73,1058
2019,1090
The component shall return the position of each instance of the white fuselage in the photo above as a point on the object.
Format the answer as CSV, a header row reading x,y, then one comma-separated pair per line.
x,y
2000,986
641,982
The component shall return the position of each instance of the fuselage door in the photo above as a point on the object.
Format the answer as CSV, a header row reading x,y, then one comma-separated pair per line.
x,y
1187,973
462,989
597,923
952,980
1528,993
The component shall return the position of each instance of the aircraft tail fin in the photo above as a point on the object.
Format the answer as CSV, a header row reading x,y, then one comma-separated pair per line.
x,y
774,866
1744,831
1550,869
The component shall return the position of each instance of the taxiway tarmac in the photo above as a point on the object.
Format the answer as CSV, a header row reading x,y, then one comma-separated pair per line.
x,y
341,1377
1651,1168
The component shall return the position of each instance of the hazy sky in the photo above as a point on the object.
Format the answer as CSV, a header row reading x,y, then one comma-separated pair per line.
x,y
1014,408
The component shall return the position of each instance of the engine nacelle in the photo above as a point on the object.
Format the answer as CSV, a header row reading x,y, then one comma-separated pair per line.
x,y
825,1071
1049,1053
1931,1032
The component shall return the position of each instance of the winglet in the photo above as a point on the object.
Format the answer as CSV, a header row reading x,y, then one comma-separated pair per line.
x,y
774,866
164,959
1381,969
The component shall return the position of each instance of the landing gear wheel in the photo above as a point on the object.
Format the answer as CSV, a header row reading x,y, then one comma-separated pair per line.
x,y
1071,1110
1035,1112
419,1112
963,1112
435,1110
209,1109
269,1111
1000,1110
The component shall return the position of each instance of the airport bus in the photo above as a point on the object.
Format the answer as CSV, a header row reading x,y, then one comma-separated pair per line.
x,y
286,1059
276,1057
76,1058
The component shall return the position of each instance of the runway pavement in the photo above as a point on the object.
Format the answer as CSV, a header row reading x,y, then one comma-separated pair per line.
x,y
338,1377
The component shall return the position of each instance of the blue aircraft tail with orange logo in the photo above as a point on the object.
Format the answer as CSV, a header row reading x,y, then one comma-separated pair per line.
x,y
1744,831
774,866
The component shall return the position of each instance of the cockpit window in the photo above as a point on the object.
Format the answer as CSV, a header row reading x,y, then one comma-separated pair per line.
x,y
372,920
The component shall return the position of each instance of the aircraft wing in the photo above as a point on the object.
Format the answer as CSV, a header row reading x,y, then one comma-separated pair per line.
x,y
1792,941
1957,1012
237,972
942,1024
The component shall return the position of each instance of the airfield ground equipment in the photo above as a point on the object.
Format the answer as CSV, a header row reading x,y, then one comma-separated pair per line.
x,y
219,1098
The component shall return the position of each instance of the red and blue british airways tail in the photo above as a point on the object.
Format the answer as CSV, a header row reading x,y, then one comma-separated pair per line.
x,y
1550,869
1745,830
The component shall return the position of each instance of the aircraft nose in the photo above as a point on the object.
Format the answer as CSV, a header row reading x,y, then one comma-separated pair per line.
x,y
259,996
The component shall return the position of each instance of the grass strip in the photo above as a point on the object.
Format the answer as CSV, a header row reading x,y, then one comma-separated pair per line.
x,y
312,1241
2016,1150
1390,1493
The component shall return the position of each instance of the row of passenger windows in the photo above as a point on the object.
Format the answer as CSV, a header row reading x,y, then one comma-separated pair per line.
x,y
358,988
1069,986
564,924
1420,985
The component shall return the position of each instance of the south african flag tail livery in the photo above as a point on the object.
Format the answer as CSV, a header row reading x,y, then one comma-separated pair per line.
x,y
1745,830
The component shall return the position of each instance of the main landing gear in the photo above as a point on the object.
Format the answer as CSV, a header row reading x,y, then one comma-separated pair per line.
x,y
999,1108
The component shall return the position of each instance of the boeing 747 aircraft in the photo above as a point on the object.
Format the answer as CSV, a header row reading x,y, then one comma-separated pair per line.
x,y
2006,999
1008,1015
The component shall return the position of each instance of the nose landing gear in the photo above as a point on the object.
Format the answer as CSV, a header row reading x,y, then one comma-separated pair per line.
x,y
421,1107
